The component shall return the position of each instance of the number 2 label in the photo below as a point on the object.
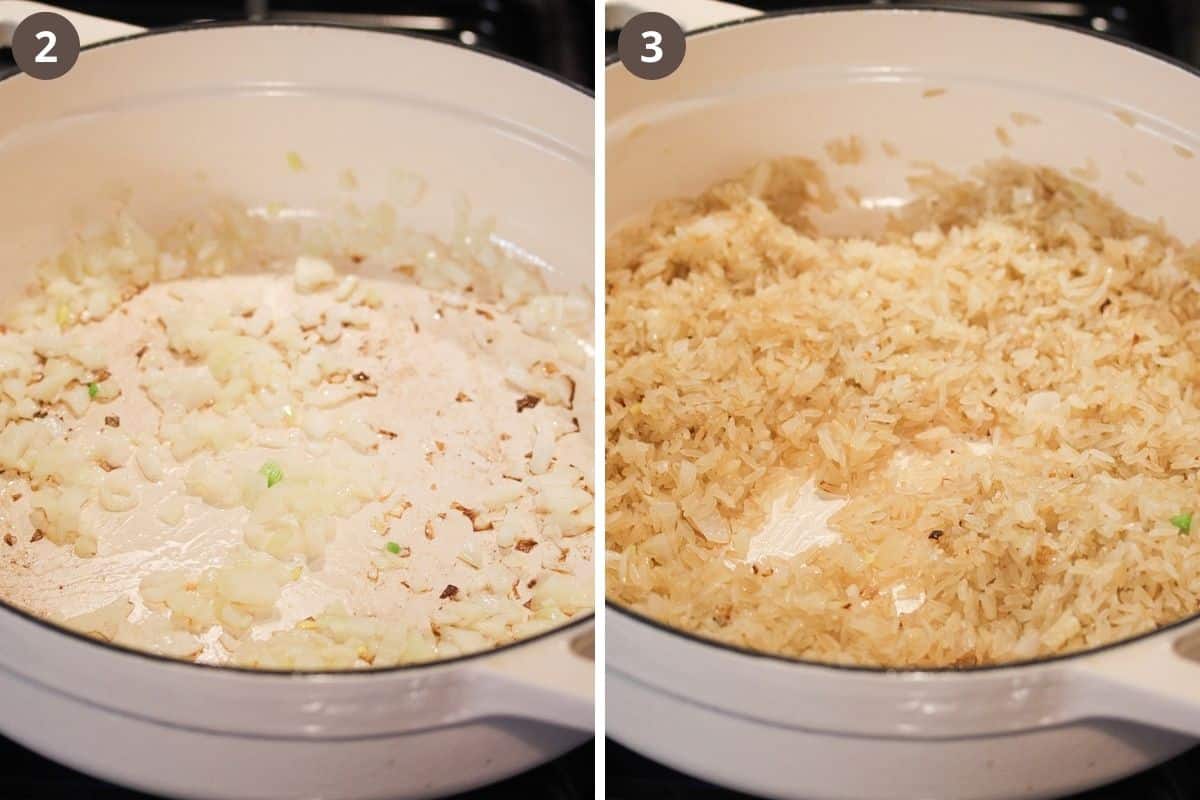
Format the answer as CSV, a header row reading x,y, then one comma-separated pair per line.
x,y
44,56
45,45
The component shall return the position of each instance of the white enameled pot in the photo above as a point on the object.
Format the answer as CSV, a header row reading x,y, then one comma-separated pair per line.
x,y
787,84
170,121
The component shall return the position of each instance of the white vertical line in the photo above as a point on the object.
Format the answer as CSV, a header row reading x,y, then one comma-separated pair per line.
x,y
598,424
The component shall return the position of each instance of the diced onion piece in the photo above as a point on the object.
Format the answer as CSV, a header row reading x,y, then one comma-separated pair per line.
x,y
117,492
102,623
171,510
312,274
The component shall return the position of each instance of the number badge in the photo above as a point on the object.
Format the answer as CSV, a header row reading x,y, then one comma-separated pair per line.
x,y
651,45
45,45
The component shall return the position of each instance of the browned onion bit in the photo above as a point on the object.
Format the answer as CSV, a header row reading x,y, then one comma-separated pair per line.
x,y
469,513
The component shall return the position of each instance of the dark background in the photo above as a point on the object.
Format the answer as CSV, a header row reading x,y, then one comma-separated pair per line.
x,y
1169,27
555,35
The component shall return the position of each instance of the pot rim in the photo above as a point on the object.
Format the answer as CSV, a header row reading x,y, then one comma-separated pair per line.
x,y
613,59
900,672
191,27
576,623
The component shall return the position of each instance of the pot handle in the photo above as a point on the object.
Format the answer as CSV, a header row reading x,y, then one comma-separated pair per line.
x,y
549,681
1155,681
91,29
690,14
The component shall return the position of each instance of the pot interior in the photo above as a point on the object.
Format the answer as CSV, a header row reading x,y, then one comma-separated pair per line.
x,y
1122,120
158,119
154,124
1080,102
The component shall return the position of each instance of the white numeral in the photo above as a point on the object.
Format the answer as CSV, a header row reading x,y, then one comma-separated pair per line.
x,y
653,40
44,57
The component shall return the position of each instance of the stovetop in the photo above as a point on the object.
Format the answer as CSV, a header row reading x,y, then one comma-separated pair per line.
x,y
1168,26
555,35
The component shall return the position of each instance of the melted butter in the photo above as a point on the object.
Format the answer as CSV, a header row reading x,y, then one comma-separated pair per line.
x,y
798,521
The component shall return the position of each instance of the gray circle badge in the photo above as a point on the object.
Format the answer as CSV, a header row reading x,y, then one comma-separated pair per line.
x,y
651,45
45,45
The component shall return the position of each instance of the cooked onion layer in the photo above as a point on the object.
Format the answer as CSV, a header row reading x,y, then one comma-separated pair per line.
x,y
251,444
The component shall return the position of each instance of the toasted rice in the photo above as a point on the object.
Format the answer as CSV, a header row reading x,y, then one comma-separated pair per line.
x,y
1000,386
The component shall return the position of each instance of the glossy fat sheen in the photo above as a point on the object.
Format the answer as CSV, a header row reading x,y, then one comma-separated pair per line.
x,y
1016,309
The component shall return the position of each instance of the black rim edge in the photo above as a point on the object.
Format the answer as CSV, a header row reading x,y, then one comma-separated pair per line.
x,y
53,627
906,671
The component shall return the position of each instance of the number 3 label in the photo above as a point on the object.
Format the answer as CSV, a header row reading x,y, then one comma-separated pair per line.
x,y
44,56
653,47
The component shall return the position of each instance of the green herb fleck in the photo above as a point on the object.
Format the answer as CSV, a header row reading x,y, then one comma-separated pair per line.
x,y
393,547
272,473
93,390
1183,522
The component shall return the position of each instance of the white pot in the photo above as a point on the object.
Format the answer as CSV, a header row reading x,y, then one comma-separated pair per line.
x,y
787,84
183,117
